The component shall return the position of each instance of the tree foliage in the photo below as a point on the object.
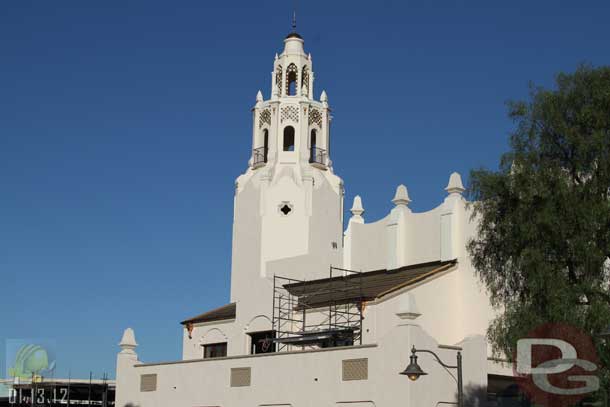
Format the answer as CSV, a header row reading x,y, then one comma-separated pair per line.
x,y
543,243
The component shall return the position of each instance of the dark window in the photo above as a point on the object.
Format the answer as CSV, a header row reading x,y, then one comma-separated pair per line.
x,y
344,339
292,84
312,146
262,342
288,138
266,143
215,350
504,391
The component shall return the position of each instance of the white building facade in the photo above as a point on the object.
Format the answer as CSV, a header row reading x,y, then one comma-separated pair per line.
x,y
319,315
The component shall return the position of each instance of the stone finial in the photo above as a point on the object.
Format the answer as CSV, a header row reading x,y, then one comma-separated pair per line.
x,y
128,341
324,97
259,96
309,56
407,307
357,209
455,184
276,57
402,196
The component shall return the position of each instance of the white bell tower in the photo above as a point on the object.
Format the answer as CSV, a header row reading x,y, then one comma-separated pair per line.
x,y
288,215
291,127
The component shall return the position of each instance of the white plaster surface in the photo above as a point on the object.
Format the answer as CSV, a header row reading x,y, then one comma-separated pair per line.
x,y
450,308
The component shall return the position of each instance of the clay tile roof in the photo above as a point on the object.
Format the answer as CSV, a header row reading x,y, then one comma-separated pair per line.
x,y
218,314
365,286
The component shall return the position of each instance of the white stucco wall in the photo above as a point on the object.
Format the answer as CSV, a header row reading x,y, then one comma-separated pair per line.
x,y
208,333
313,378
454,304
368,246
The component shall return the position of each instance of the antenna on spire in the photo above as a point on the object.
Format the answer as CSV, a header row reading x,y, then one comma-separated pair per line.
x,y
294,16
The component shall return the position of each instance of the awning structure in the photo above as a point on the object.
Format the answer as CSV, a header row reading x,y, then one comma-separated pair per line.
x,y
218,314
339,301
372,284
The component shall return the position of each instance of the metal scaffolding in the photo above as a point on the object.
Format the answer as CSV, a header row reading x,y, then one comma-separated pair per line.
x,y
319,313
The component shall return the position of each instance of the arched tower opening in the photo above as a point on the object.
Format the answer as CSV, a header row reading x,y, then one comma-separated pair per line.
x,y
288,138
291,80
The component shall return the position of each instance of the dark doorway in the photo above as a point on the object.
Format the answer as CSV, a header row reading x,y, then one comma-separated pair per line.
x,y
262,342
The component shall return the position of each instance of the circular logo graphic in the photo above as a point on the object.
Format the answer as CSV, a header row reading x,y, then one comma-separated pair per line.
x,y
556,365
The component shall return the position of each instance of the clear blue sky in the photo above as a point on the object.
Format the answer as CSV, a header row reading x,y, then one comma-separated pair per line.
x,y
123,126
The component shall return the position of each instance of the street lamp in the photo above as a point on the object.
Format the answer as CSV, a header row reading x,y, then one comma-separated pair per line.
x,y
414,371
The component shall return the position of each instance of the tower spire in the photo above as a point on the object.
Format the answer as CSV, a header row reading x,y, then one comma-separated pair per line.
x,y
294,17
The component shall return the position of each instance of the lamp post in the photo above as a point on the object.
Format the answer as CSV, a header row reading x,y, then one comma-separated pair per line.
x,y
414,371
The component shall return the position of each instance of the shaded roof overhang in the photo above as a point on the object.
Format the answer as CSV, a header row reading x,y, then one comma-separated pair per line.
x,y
218,314
364,286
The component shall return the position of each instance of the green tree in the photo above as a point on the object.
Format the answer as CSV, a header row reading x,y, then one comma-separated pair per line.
x,y
543,245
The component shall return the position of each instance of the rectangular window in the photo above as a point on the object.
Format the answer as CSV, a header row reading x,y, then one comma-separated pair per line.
x,y
262,342
215,350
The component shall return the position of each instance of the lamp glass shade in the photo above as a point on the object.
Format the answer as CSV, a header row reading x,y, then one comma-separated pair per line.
x,y
413,371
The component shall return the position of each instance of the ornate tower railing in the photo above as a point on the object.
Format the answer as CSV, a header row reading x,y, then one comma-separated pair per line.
x,y
318,156
259,156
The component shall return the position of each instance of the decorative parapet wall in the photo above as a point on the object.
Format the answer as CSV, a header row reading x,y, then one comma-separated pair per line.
x,y
403,238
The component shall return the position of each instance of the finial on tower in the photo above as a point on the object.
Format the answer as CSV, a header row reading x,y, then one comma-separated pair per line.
x,y
357,209
455,184
293,33
324,97
128,341
402,196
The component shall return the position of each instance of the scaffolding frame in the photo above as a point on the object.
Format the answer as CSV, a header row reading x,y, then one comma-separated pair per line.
x,y
341,311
